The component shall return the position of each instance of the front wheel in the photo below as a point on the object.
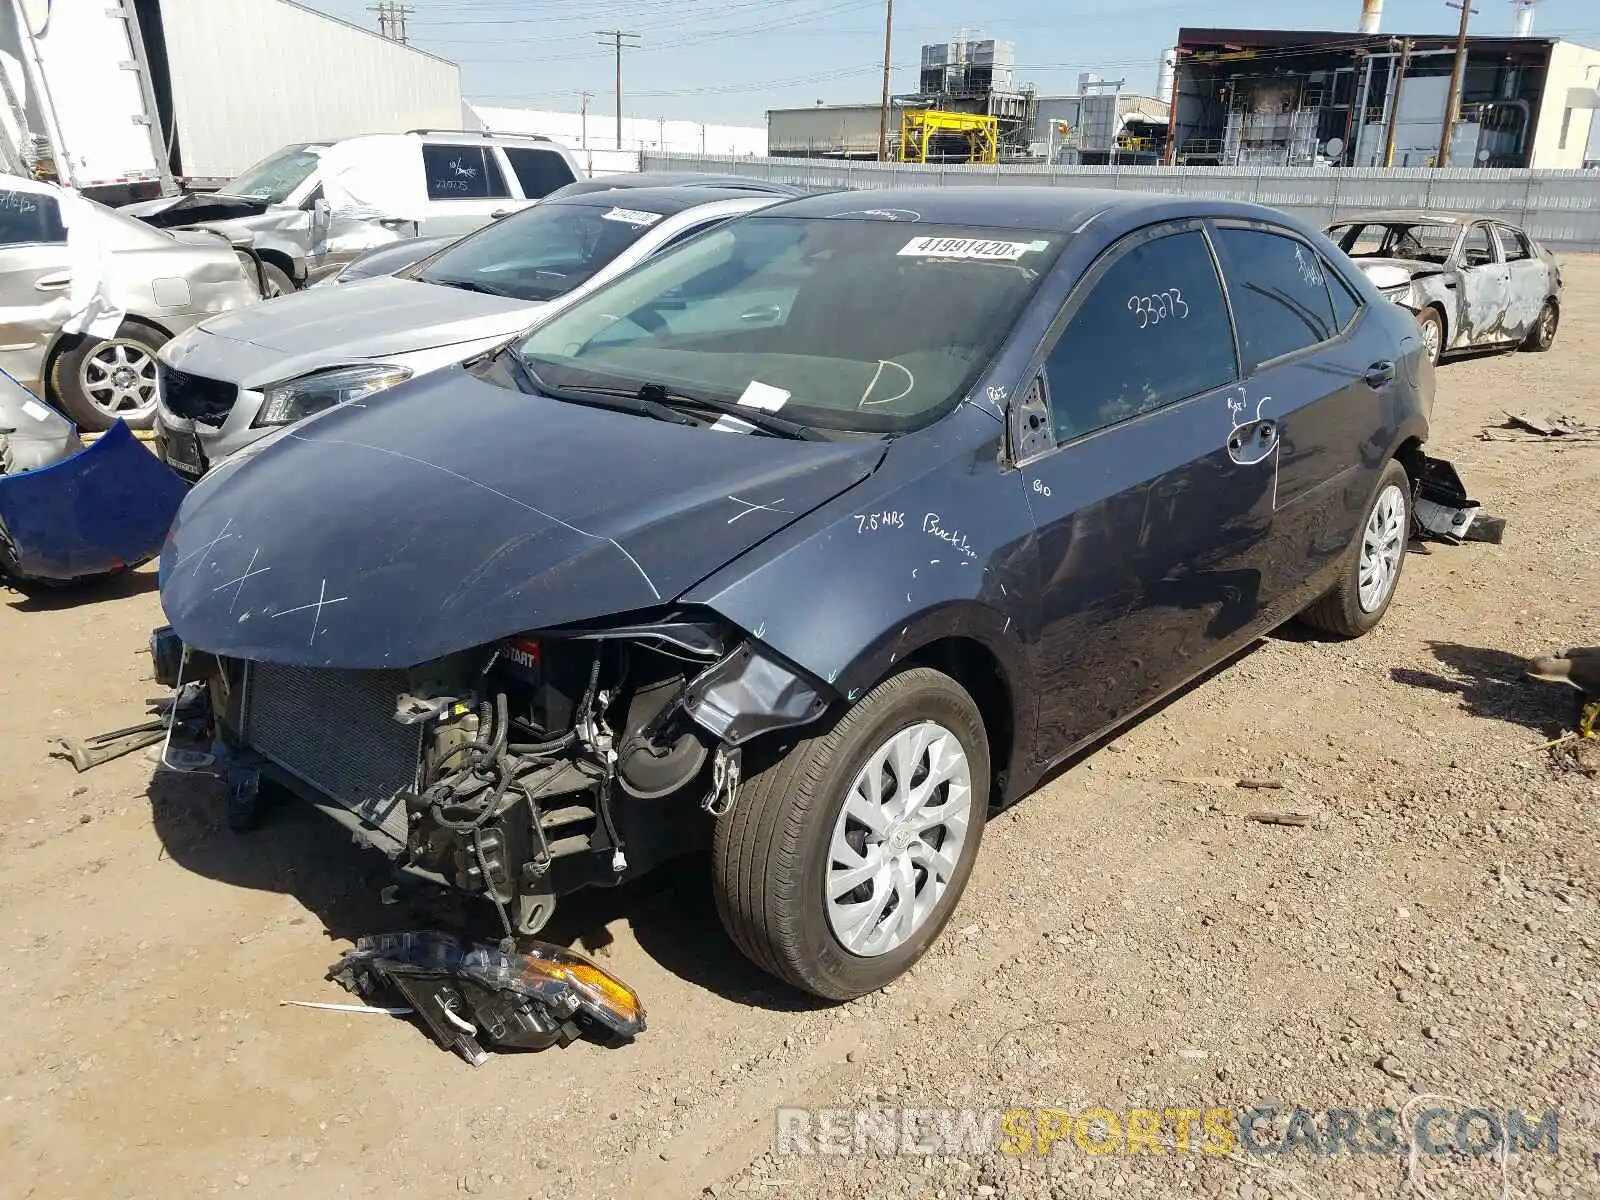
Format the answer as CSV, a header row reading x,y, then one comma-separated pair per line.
x,y
1372,568
840,863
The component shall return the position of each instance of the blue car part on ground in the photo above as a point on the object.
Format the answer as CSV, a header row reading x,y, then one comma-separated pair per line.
x,y
98,512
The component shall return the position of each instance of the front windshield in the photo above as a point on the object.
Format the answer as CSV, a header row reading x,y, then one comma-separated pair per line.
x,y
874,326
1420,241
274,179
542,252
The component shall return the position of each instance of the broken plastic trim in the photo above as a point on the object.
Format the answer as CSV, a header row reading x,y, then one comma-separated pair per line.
x,y
517,1001
747,694
692,636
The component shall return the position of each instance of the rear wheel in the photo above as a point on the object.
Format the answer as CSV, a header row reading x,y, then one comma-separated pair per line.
x,y
840,863
96,381
1432,326
1543,334
1372,568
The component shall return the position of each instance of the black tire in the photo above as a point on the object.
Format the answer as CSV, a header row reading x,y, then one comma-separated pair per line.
x,y
1543,334
1340,612
1431,325
771,851
79,366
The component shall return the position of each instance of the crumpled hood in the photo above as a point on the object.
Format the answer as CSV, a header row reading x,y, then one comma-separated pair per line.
x,y
1394,272
450,512
373,317
165,212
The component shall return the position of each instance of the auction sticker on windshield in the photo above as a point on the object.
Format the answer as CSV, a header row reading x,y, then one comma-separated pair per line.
x,y
632,216
979,248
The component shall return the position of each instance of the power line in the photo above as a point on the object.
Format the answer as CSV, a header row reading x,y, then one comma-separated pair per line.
x,y
392,19
618,39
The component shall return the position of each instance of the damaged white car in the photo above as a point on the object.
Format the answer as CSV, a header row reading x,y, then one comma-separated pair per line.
x,y
1473,283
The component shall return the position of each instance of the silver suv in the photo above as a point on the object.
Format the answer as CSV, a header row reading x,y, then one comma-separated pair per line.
x,y
314,207
232,381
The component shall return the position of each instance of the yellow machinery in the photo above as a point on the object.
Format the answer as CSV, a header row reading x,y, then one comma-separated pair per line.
x,y
920,126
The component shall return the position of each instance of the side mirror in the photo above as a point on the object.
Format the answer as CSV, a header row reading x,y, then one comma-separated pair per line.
x,y
321,213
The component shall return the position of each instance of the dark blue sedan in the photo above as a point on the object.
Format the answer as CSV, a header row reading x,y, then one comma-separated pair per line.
x,y
814,539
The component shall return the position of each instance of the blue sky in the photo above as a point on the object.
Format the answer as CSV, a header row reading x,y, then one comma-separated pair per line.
x,y
730,60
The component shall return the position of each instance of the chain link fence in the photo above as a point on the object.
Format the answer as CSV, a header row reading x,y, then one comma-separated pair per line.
x,y
1560,208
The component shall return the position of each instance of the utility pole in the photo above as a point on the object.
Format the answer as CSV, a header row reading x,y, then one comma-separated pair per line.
x,y
617,39
583,109
1452,106
1394,103
392,19
883,113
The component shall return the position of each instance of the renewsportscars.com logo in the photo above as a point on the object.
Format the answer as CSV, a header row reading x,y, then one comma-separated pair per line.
x,y
1215,1131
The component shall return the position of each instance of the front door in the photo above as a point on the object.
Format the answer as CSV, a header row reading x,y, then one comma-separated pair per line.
x,y
1484,288
1150,481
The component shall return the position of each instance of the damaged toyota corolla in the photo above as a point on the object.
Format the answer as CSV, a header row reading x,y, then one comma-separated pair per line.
x,y
811,541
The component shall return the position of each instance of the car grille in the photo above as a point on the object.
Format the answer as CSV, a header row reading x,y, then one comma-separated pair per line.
x,y
336,731
194,396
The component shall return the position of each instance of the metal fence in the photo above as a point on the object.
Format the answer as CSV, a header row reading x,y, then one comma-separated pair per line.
x,y
1560,208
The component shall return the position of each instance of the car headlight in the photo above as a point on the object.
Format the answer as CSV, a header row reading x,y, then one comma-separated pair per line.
x,y
296,399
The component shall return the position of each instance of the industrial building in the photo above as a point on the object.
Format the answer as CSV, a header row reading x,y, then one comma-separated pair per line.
x,y
1271,97
1100,125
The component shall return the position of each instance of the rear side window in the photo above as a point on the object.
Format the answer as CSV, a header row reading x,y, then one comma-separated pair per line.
x,y
27,218
1279,289
1152,330
540,172
1514,244
1346,304
462,173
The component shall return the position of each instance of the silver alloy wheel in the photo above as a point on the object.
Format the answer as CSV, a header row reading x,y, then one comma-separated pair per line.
x,y
898,839
119,379
1382,544
1432,336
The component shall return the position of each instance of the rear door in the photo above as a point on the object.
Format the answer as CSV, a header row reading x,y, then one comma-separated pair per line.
x,y
1312,365
1485,288
466,187
1151,494
1529,280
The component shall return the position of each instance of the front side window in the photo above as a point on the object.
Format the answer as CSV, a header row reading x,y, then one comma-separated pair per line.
x,y
846,324
1152,330
273,180
540,172
1475,248
1280,293
462,173
541,252
28,218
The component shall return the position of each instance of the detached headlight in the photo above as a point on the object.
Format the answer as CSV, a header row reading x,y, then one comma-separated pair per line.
x,y
286,403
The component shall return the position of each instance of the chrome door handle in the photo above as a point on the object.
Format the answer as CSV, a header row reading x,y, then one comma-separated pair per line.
x,y
53,283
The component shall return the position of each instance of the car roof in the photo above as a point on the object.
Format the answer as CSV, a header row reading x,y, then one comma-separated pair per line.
x,y
668,201
1039,208
1408,216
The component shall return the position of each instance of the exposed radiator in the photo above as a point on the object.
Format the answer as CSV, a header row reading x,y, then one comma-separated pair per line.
x,y
336,731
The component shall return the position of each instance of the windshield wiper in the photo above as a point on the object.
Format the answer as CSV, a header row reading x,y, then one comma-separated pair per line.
x,y
475,285
760,418
615,399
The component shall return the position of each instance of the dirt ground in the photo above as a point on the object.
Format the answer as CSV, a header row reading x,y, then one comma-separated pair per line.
x,y
1126,941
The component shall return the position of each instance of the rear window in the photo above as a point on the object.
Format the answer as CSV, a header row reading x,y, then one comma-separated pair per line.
x,y
28,217
1279,291
876,326
462,173
540,172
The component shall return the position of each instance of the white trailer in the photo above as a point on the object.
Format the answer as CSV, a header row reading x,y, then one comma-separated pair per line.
x,y
129,99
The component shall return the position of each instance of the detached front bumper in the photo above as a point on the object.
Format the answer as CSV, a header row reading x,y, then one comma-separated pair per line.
x,y
98,512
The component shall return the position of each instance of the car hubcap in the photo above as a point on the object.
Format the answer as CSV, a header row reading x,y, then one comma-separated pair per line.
x,y
1430,338
119,379
898,839
1547,326
1381,547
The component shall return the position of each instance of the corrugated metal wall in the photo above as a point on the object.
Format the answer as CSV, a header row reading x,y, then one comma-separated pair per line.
x,y
1560,208
250,76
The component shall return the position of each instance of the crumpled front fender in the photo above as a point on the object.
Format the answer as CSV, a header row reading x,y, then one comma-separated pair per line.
x,y
103,510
